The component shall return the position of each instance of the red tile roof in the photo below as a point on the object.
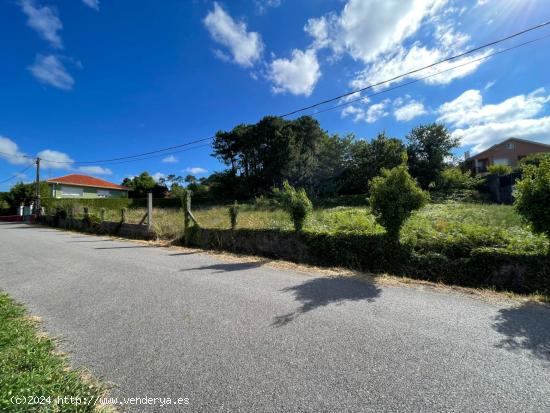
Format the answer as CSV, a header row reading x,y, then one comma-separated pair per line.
x,y
85,180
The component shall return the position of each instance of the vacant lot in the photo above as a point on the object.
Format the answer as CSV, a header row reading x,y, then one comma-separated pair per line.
x,y
495,226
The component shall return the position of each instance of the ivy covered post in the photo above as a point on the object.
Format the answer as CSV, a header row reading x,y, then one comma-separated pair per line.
x,y
186,214
102,214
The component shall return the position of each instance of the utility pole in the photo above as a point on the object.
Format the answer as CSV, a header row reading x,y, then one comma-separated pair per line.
x,y
37,201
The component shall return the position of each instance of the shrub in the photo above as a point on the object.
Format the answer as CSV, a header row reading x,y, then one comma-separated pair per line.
x,y
394,195
297,204
92,222
233,214
60,212
533,159
454,184
268,202
532,196
499,169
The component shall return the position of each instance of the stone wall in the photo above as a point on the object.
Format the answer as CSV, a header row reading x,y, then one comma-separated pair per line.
x,y
134,231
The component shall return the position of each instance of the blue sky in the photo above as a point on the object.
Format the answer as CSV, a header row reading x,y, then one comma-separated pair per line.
x,y
98,79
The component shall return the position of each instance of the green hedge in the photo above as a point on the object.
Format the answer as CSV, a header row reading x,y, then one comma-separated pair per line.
x,y
50,204
109,203
471,265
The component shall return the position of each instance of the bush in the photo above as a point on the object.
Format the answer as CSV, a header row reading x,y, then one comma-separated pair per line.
x,y
233,214
499,169
533,159
394,195
532,196
454,184
297,204
92,222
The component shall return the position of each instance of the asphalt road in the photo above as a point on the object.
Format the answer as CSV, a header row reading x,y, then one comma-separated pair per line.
x,y
240,336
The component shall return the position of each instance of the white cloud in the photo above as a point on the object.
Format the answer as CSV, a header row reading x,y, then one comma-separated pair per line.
x,y
486,135
489,85
408,109
357,113
366,28
50,70
297,75
44,20
94,4
245,47
11,153
263,5
95,170
381,35
377,111
406,60
170,159
370,115
54,159
484,125
468,109
159,175
196,170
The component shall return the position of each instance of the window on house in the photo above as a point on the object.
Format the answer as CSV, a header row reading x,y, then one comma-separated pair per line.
x,y
103,193
72,191
501,161
510,146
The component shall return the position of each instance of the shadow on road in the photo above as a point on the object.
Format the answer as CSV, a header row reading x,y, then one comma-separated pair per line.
x,y
123,247
228,267
88,240
527,328
180,253
320,292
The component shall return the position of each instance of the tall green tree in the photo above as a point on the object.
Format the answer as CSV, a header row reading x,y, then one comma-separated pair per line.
x,y
427,149
332,164
369,158
144,183
22,193
265,154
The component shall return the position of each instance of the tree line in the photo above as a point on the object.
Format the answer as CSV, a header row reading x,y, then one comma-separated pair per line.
x,y
262,156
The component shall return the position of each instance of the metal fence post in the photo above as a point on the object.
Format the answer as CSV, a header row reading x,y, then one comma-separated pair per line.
x,y
149,210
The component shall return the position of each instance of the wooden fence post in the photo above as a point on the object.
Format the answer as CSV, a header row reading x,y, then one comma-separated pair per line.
x,y
186,209
149,211
123,215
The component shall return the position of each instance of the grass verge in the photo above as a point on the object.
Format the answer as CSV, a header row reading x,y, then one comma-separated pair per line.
x,y
33,376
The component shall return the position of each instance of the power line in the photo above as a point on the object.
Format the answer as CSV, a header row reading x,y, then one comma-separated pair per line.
x,y
133,156
16,174
430,75
153,156
13,155
475,49
164,151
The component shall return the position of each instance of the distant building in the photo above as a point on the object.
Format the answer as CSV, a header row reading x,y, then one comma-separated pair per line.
x,y
508,152
83,186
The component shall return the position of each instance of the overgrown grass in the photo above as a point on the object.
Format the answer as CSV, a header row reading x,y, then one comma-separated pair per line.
x,y
435,227
31,371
